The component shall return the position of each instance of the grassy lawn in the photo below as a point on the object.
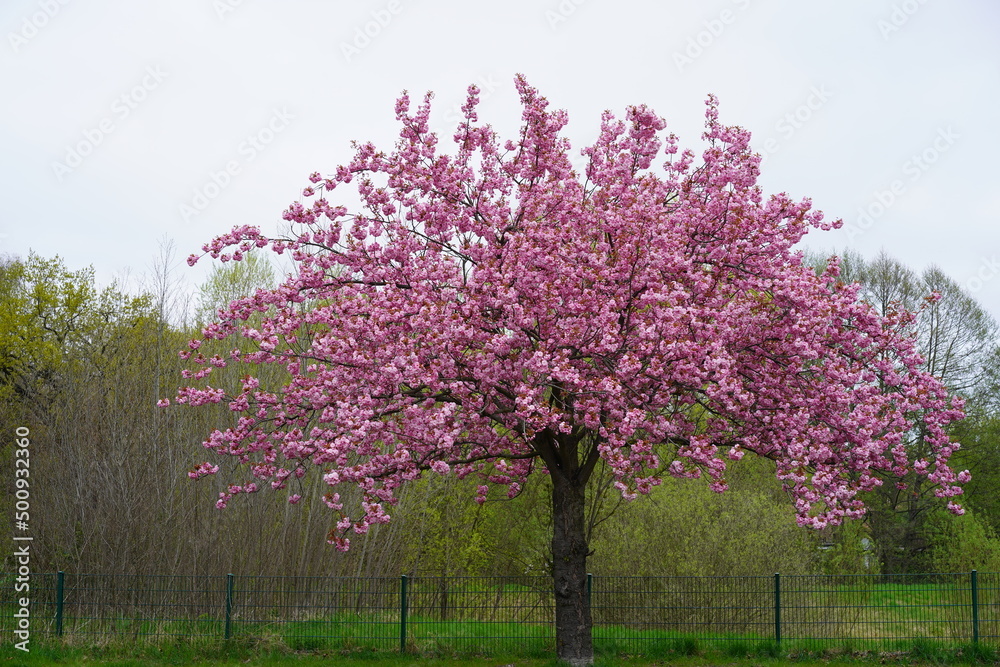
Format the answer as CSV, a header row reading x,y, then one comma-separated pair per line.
x,y
317,661
234,655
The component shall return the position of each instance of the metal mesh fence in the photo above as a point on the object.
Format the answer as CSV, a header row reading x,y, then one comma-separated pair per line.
x,y
630,612
861,609
490,614
101,605
318,612
41,592
501,615
988,605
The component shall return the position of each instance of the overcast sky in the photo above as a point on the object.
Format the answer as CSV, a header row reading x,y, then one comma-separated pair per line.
x,y
127,123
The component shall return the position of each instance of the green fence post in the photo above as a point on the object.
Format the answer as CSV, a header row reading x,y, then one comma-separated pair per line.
x,y
975,608
60,580
777,608
590,587
402,614
229,605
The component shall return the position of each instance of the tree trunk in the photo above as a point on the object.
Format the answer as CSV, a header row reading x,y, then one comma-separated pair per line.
x,y
574,645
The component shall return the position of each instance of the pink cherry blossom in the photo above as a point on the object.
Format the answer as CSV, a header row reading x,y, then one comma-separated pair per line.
x,y
484,297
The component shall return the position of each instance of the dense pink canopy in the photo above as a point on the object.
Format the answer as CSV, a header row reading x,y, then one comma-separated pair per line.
x,y
652,305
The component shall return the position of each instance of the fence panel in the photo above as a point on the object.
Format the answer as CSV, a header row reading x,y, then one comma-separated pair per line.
x,y
876,609
510,614
631,612
143,606
482,614
41,593
309,613
989,606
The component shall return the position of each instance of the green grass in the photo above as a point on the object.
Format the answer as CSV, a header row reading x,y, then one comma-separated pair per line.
x,y
352,635
687,655
452,643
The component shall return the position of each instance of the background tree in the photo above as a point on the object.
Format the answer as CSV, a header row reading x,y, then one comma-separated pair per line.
x,y
493,313
958,341
979,434
229,282
51,317
59,335
688,530
82,368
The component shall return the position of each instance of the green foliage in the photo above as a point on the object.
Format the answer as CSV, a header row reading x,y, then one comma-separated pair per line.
x,y
962,544
851,550
926,650
231,281
53,320
686,529
979,653
682,528
979,435
448,533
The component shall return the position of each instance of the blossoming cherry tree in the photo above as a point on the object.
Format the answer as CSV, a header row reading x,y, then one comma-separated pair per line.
x,y
491,311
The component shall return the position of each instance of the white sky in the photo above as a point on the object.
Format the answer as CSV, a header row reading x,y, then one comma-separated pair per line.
x,y
852,101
